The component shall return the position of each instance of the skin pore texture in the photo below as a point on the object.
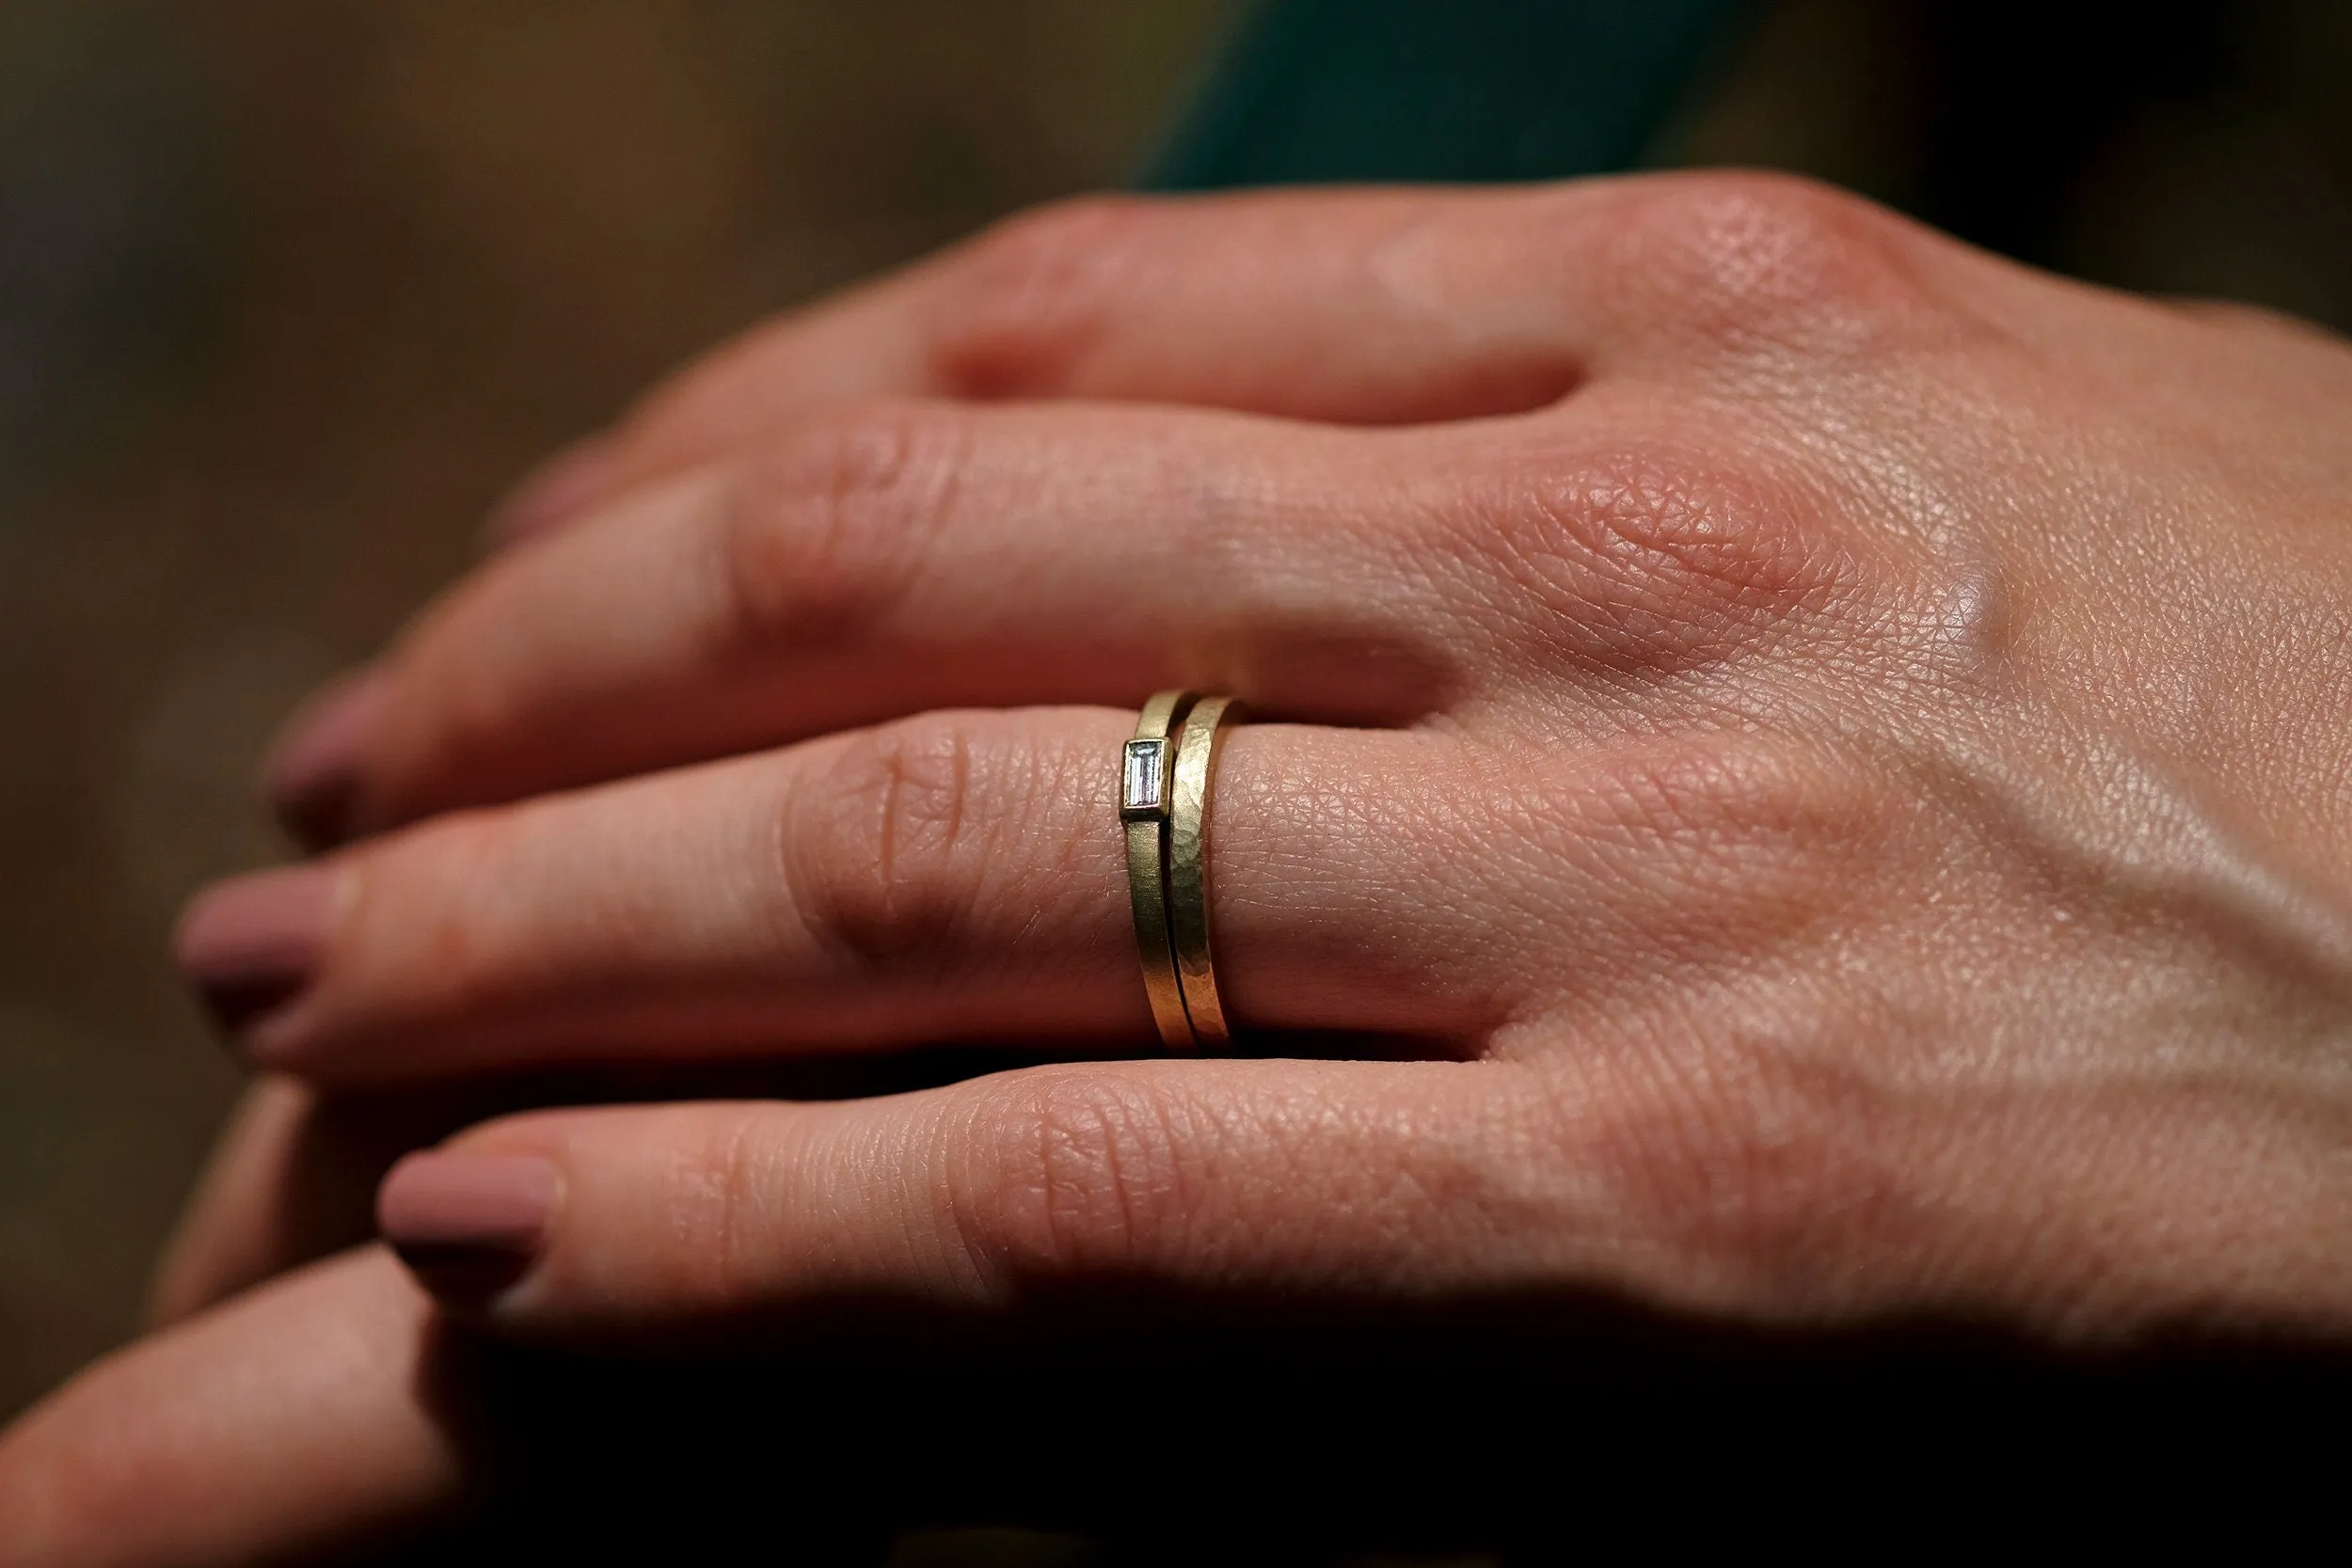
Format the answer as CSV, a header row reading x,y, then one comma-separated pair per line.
x,y
1803,786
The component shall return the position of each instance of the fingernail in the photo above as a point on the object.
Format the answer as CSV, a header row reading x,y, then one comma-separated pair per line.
x,y
563,484
252,947
313,776
468,1224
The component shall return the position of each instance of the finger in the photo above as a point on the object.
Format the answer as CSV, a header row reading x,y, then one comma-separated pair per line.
x,y
1358,307
289,1426
1253,1180
293,1181
237,1224
953,879
902,559
817,580
1684,1175
1362,307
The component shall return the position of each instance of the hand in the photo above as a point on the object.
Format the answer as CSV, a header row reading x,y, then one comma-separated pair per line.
x,y
1843,793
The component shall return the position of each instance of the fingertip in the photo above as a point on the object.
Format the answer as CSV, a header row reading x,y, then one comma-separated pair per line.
x,y
315,774
250,947
469,1225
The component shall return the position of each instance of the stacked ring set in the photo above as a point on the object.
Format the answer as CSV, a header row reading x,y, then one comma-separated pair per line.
x,y
1167,775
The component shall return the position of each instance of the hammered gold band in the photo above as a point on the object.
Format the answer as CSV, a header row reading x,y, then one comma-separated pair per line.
x,y
1167,779
1188,869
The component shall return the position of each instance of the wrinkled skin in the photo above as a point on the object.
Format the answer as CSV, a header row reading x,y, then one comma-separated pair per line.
x,y
1805,769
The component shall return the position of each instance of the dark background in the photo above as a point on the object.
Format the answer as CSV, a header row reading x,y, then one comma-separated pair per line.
x,y
291,288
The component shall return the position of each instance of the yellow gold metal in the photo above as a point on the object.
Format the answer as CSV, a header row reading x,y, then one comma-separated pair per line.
x,y
1189,868
1146,777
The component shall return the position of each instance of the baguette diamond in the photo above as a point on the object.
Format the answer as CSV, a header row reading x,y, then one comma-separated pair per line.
x,y
1144,781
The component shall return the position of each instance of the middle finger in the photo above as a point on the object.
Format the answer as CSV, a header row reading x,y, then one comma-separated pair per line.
x,y
915,556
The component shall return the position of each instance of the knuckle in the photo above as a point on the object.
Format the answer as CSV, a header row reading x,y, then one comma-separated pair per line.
x,y
1780,1181
830,530
714,1179
1087,1176
1735,847
407,905
718,1189
456,706
730,1189
1752,261
1030,297
1660,558
884,858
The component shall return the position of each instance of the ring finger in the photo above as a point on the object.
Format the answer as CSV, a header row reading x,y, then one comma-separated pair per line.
x,y
953,878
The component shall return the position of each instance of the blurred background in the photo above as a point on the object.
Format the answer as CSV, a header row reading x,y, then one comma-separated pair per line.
x,y
290,290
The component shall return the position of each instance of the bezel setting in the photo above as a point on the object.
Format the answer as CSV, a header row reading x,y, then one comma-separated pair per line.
x,y
1144,775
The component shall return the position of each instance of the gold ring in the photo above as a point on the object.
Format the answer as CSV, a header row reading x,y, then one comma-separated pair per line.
x,y
1145,780
1189,868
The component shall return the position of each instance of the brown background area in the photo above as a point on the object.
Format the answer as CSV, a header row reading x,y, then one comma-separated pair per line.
x,y
291,288
289,291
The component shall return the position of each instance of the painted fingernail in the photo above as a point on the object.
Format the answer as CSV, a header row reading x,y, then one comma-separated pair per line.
x,y
563,484
250,947
313,779
468,1224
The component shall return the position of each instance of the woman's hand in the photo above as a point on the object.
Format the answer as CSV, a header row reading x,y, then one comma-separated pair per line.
x,y
1857,779
1829,748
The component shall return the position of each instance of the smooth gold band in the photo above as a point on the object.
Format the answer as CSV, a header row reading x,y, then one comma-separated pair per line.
x,y
1146,769
1189,868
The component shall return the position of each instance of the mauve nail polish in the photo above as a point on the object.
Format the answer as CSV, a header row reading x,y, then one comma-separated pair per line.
x,y
313,776
252,945
468,1224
